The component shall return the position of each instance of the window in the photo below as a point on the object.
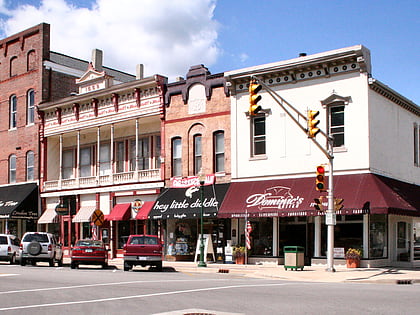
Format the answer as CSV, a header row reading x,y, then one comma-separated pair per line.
x,y
197,153
30,104
337,125
13,111
219,151
105,159
13,66
85,162
416,145
31,60
30,168
157,151
258,135
143,154
68,163
176,157
12,169
119,156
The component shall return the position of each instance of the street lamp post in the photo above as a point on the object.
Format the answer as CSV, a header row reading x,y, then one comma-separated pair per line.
x,y
201,178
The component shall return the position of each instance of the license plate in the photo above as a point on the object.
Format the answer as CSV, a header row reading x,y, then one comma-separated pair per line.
x,y
88,250
141,258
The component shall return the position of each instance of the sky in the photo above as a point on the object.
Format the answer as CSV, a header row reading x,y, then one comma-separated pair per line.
x,y
170,36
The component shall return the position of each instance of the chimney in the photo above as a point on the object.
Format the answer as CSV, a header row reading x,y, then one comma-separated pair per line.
x,y
139,71
97,56
302,55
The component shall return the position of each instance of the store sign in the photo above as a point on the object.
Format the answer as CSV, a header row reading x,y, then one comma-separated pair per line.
x,y
191,181
278,197
136,205
62,209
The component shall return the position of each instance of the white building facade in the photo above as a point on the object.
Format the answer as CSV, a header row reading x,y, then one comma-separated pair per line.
x,y
376,160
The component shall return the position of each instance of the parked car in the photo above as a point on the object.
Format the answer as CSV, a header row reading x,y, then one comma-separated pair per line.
x,y
9,248
40,246
89,252
143,250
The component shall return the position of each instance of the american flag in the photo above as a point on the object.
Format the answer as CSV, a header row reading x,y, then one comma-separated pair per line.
x,y
248,232
94,233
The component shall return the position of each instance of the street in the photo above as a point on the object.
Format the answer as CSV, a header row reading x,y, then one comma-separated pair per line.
x,y
59,290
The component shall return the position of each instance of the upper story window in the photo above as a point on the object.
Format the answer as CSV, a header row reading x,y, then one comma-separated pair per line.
x,y
86,162
197,153
31,60
30,166
176,157
68,164
13,66
258,136
13,112
157,151
337,125
12,169
219,151
120,156
416,137
143,153
105,159
30,105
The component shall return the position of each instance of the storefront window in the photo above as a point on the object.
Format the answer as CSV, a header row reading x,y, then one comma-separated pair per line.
x,y
377,236
123,232
181,237
262,237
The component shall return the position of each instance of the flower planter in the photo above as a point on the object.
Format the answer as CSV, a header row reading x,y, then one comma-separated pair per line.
x,y
353,263
240,260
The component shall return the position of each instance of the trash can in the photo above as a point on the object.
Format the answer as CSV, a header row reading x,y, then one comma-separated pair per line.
x,y
294,257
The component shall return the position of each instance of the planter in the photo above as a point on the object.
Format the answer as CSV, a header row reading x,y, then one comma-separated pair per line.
x,y
240,260
352,263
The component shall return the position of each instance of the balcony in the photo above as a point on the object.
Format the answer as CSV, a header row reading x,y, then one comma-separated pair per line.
x,y
103,180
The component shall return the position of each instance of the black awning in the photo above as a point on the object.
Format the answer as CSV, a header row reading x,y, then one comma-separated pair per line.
x,y
185,203
19,201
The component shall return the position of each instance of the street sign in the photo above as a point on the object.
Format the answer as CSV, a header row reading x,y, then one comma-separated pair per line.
x,y
97,217
330,218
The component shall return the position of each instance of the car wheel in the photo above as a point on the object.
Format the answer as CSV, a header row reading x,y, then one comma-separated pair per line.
x,y
127,266
13,259
104,265
60,262
33,262
51,262
23,262
73,265
159,266
34,248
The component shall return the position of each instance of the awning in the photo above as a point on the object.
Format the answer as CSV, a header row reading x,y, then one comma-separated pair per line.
x,y
19,201
185,203
84,214
120,212
362,193
49,216
143,213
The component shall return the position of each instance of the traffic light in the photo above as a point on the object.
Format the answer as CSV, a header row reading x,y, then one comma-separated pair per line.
x,y
318,204
313,130
338,204
320,178
254,98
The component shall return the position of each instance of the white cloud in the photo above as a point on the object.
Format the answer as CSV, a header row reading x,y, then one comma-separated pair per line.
x,y
243,57
166,36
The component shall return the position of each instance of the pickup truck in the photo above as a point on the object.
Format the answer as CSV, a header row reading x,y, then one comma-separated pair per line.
x,y
143,250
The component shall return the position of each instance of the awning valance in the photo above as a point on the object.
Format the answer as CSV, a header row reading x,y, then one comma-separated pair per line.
x,y
49,216
120,212
143,213
185,203
84,214
19,201
362,193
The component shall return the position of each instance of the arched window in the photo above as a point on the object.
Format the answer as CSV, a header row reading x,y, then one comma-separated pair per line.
x,y
197,153
176,157
30,104
31,60
13,66
219,151
30,166
12,169
12,111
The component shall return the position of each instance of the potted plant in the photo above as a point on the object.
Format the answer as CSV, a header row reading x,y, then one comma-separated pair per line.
x,y
353,256
239,254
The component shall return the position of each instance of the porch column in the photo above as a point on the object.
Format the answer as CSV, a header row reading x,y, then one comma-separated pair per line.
x,y
98,154
317,245
60,175
366,236
275,236
137,151
112,154
78,159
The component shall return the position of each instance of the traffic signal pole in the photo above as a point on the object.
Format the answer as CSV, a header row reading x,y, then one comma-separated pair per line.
x,y
330,217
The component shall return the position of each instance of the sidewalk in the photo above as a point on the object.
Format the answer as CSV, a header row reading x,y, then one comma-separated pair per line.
x,y
388,275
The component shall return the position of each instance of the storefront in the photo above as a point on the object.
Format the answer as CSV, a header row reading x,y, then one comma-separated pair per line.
x,y
179,211
377,213
18,208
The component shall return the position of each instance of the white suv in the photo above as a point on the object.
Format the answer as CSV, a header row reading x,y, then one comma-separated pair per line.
x,y
40,246
9,248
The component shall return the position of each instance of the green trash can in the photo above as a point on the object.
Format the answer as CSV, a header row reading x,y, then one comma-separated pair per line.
x,y
294,257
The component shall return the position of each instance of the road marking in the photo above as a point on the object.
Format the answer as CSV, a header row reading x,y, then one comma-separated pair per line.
x,y
139,296
8,274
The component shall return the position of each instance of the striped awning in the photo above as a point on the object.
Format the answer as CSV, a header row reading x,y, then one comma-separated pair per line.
x,y
84,214
49,216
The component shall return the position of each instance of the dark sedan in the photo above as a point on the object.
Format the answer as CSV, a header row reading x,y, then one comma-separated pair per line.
x,y
89,252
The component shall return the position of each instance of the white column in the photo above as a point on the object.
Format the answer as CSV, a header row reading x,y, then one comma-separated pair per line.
x,y
275,236
112,154
98,154
60,175
365,235
137,151
317,245
78,158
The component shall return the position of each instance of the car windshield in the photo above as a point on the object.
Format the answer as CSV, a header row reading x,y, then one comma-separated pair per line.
x,y
36,237
144,240
90,243
3,240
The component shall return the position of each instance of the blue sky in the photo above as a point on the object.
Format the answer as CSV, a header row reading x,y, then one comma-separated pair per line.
x,y
169,36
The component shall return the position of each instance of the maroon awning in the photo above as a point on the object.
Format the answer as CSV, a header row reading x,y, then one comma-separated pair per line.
x,y
144,210
362,193
120,212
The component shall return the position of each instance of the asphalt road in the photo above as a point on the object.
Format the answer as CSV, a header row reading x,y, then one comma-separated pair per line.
x,y
51,290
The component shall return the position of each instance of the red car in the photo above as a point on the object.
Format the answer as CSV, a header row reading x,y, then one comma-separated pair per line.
x,y
89,252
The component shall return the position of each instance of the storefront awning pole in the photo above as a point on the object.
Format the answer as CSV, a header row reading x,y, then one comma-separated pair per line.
x,y
330,219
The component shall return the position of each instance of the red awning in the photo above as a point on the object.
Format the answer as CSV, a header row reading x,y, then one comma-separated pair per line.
x,y
144,210
120,212
362,193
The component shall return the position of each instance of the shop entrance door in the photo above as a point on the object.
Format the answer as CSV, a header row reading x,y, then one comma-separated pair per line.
x,y
68,231
403,241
